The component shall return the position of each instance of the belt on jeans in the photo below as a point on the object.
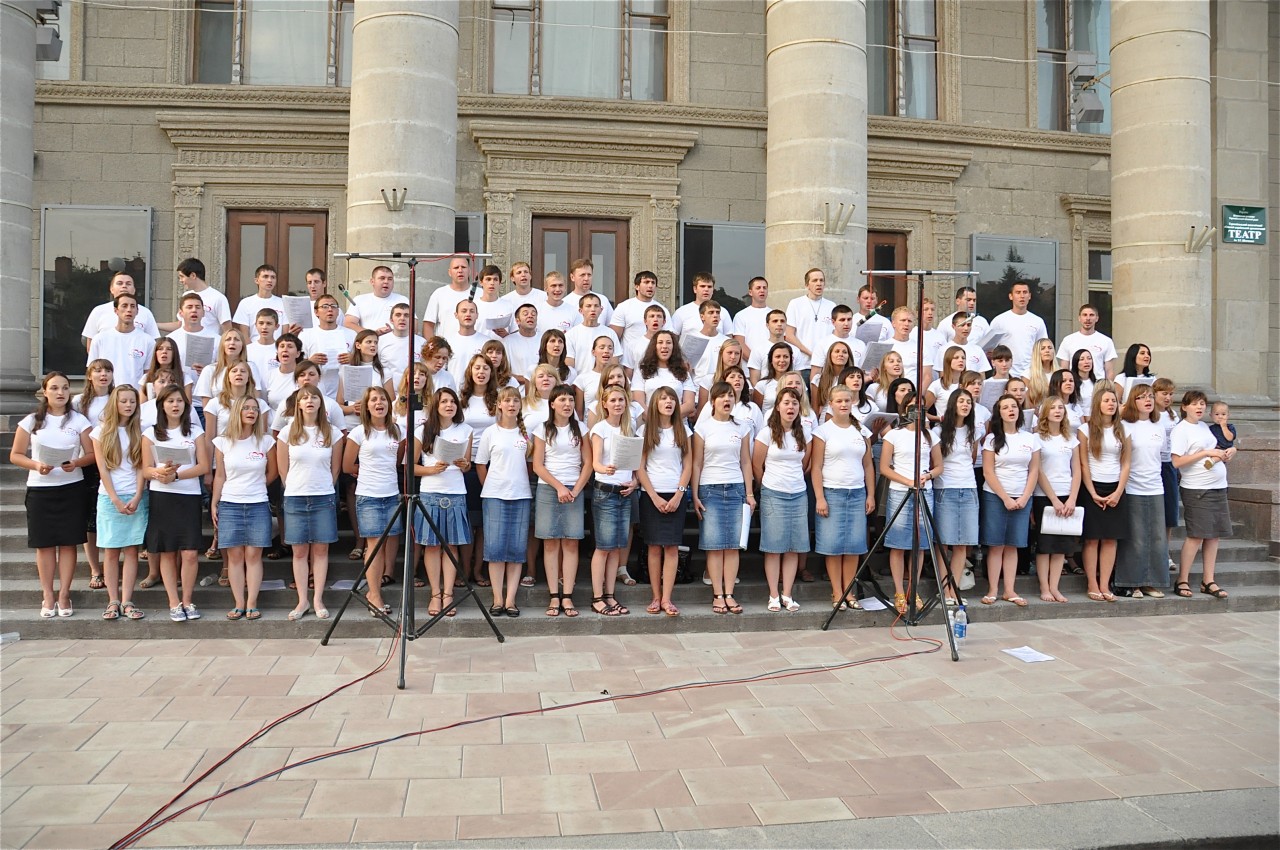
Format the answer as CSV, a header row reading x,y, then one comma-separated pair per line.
x,y
610,488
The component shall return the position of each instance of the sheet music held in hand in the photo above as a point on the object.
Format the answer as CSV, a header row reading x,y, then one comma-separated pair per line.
x,y
447,451
869,331
624,452
297,310
875,353
744,530
174,455
692,346
992,389
355,380
50,456
495,323
199,350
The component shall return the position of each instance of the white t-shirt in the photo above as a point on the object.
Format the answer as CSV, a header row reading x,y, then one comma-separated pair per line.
x,y
746,415
606,433
705,369
811,320
522,352
751,324
464,348
104,316
1105,469
128,353
58,432
886,326
210,381
907,351
975,359
902,442
633,350
261,357
373,312
506,452
279,386
561,317
759,359
1146,439
629,315
310,463
498,310
534,296
187,486
441,306
330,343
843,452
687,318
449,482
958,462
221,415
606,308
216,309
377,475
280,421
580,340
393,351
934,344
97,407
1168,422
783,465
1013,462
1023,331
857,348
562,456
1099,344
247,310
180,338
245,464
589,383
721,450
665,463
976,334
1188,439
147,414
662,378
942,395
1056,455
478,417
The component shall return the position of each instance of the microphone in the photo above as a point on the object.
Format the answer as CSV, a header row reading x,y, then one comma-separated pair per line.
x,y
343,289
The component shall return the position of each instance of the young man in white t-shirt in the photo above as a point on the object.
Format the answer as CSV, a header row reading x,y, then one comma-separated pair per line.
x,y
709,313
327,345
127,346
581,338
655,319
393,347
841,331
522,346
262,351
217,310
867,302
466,341
556,313
1099,345
628,317
966,302
494,314
191,309
904,319
581,273
522,291
1020,327
264,277
317,280
934,341
372,310
808,318
104,315
975,359
749,326
689,316
440,317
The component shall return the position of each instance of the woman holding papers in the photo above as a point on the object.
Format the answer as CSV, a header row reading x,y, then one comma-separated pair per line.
x,y
899,464
722,484
1137,364
663,365
1104,470
1203,488
58,439
370,457
664,477
562,462
1011,468
479,402
615,460
442,492
841,467
99,381
245,464
1057,490
122,498
365,370
1142,555
780,461
502,462
955,498
309,458
175,456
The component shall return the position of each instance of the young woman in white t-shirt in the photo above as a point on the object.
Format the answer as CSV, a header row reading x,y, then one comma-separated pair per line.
x,y
231,350
496,353
245,464
1010,470
610,501
1082,371
422,390
174,533
534,408
664,365
479,401
1104,471
947,382
722,483
502,462
371,457
551,351
664,480
442,495
727,356
1203,489
841,469
280,381
236,383
839,358
776,363
99,381
562,462
888,370
1142,554
54,490
165,356
614,376
955,493
587,382
309,456
899,462
364,352
1058,488
745,411
780,462
122,502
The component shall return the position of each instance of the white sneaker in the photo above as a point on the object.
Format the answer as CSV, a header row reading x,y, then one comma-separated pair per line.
x,y
191,611
178,614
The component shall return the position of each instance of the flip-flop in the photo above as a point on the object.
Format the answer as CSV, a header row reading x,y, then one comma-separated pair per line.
x,y
1016,600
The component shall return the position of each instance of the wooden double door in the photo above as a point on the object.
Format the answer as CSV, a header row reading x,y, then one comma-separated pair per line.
x,y
558,241
291,241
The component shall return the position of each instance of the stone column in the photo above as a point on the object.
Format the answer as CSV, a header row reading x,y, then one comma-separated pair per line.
x,y
17,158
1161,159
404,128
816,77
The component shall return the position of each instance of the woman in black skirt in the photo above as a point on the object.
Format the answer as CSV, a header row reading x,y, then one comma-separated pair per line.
x,y
174,529
664,476
1104,471
55,501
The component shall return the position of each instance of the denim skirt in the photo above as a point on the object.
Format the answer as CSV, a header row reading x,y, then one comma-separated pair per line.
x,y
449,512
955,513
118,531
899,534
721,524
610,518
310,519
784,521
244,525
1143,554
844,530
1001,526
506,523
554,521
374,512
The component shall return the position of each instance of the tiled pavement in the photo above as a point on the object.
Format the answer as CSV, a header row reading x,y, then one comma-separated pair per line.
x,y
97,734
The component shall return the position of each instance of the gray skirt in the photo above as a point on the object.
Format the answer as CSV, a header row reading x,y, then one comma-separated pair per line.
x,y
1205,513
1142,556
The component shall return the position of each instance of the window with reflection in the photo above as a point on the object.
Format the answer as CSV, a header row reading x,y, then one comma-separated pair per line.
x,y
584,48
468,233
902,58
273,42
1100,286
733,253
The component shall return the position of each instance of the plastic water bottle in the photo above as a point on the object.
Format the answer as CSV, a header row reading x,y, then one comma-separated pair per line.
x,y
960,627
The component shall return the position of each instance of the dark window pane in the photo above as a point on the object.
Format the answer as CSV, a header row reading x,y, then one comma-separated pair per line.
x,y
1101,300
214,24
1099,266
733,253
880,58
1051,85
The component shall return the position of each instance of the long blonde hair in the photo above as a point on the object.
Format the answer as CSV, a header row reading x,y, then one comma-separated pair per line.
x,y
1037,379
1095,419
225,398
624,423
1043,424
235,427
221,362
531,392
297,428
111,425
406,387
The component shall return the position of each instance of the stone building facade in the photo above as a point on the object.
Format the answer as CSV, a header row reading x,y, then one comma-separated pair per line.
x,y
756,123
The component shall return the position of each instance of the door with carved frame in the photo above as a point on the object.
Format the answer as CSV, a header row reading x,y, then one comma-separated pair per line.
x,y
886,250
558,241
293,242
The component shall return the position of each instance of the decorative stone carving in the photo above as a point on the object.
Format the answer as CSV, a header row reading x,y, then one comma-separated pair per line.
x,y
1090,228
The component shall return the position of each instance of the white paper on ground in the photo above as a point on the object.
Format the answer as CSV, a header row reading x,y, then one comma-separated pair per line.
x,y
1027,654
870,603
272,584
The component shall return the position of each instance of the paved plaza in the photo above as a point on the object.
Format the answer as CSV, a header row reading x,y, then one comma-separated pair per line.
x,y
1164,723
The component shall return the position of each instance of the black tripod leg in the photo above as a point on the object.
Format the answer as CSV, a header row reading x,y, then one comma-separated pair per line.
x,y
468,591
864,566
939,571
359,579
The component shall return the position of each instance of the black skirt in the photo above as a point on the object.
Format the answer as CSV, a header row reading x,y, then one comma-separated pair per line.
x,y
1111,524
659,529
1051,544
91,481
175,522
56,516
